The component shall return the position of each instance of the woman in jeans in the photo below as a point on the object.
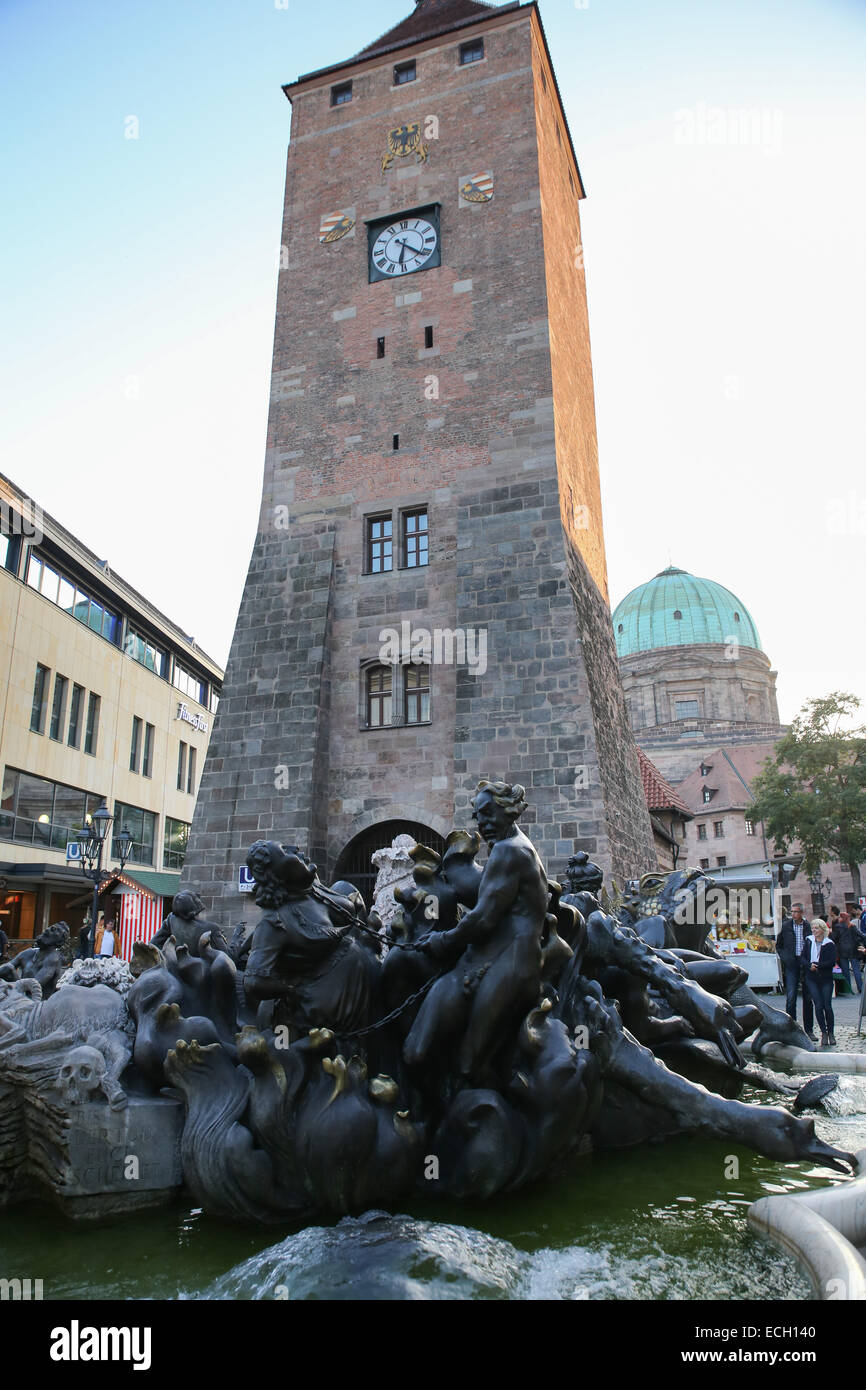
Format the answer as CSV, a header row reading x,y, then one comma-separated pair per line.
x,y
819,956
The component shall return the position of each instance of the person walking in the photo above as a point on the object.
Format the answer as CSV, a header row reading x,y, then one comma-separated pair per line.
x,y
106,942
819,957
789,949
847,939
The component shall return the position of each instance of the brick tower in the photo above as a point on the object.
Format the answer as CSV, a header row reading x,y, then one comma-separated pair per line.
x,y
431,468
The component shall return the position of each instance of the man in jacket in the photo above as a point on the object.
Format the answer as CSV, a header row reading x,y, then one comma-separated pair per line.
x,y
847,938
789,949
106,943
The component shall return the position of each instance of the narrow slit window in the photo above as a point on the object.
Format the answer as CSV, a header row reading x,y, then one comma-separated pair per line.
x,y
396,441
380,347
428,336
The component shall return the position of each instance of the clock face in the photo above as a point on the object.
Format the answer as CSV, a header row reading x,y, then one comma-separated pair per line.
x,y
409,244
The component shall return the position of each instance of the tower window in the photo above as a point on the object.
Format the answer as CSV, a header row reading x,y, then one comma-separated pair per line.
x,y
379,545
677,614
379,696
416,694
428,335
415,538
736,617
619,627
471,52
687,709
396,441
380,347
404,72
750,827
341,94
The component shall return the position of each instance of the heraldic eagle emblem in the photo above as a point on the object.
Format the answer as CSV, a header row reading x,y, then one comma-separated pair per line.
x,y
336,226
404,140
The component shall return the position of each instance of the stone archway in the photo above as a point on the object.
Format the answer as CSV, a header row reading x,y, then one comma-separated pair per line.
x,y
354,861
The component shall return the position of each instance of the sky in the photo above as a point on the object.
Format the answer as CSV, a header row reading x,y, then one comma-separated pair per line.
x,y
721,146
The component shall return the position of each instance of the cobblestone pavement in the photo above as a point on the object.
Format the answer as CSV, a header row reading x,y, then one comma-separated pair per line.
x,y
846,1007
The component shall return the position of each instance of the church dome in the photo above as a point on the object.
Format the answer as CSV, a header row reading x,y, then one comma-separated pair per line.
x,y
676,609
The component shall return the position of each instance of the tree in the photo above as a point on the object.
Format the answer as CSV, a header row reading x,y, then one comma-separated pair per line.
x,y
813,790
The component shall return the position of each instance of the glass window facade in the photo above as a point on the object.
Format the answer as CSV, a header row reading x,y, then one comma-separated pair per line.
x,y
40,699
146,652
141,826
58,709
189,684
174,842
91,731
73,738
38,812
72,598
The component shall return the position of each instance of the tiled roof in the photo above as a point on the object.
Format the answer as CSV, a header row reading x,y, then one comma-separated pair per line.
x,y
659,794
731,773
428,18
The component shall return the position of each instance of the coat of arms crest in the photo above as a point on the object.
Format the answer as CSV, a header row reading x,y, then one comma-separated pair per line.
x,y
337,225
477,188
404,140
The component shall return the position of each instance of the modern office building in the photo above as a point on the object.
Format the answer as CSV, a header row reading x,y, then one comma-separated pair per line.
x,y
102,698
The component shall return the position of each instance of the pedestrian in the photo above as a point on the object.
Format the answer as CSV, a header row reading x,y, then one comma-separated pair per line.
x,y
847,939
106,943
833,920
789,948
819,958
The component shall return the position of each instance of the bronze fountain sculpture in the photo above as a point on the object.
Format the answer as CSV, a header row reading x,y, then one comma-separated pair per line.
x,y
500,1025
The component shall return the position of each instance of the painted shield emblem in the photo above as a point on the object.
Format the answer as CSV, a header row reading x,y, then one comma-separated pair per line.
x,y
336,226
404,140
477,188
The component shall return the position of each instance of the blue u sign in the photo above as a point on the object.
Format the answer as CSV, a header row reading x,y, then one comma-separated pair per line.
x,y
73,851
246,882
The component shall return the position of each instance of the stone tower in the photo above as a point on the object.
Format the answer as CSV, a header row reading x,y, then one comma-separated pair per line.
x,y
431,469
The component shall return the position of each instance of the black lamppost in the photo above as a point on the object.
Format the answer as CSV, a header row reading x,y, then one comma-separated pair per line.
x,y
819,890
92,840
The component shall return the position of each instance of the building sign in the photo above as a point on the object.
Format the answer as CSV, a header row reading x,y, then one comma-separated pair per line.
x,y
246,882
73,852
190,717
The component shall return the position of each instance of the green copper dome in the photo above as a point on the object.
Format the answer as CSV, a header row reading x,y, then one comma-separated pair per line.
x,y
676,609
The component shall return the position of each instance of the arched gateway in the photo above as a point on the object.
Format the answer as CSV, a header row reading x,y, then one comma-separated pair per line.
x,y
355,861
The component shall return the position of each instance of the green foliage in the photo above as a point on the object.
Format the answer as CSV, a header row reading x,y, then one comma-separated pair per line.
x,y
814,788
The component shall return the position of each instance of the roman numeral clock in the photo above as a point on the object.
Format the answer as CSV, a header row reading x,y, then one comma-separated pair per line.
x,y
403,244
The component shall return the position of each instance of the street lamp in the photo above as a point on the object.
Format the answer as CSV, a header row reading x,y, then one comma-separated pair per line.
x,y
92,841
819,891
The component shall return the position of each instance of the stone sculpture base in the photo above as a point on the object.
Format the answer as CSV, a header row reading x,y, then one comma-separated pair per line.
x,y
113,1161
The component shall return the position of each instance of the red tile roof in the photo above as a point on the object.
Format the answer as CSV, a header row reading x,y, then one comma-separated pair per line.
x,y
660,795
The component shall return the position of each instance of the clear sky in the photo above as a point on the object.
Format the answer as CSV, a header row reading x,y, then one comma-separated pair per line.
x,y
721,143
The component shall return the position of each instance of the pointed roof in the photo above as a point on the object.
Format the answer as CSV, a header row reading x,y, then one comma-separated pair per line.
x,y
730,773
429,17
659,794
